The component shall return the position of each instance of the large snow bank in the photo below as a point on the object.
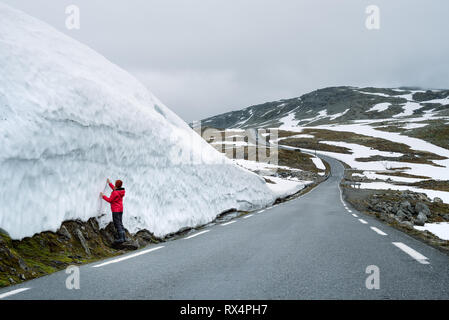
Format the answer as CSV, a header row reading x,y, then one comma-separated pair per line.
x,y
69,119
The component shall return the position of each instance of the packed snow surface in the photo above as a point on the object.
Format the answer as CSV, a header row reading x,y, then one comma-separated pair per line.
x,y
285,187
319,164
441,229
260,166
70,119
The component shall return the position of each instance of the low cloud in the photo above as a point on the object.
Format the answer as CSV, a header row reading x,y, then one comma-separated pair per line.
x,y
207,57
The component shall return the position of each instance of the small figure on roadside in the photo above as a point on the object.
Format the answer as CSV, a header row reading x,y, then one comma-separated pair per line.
x,y
116,201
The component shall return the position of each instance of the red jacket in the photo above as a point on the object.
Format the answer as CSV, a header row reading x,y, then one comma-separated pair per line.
x,y
116,199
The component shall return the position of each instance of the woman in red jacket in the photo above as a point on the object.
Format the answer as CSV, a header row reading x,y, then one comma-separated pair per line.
x,y
116,201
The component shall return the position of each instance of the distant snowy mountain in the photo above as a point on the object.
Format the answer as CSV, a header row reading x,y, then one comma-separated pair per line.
x,y
69,119
338,105
394,139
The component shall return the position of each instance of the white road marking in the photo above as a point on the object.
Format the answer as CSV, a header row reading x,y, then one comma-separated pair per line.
x,y
411,252
248,216
196,234
378,231
354,215
127,257
349,211
263,210
341,196
11,293
228,223
363,221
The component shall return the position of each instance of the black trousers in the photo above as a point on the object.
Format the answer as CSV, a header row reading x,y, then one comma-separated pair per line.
x,y
118,224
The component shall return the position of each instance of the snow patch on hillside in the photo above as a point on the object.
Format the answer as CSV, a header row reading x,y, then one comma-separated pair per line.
x,y
338,115
443,195
384,176
288,121
409,108
319,164
380,107
440,229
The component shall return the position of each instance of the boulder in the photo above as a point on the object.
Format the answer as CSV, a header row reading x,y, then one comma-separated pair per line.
x,y
400,215
422,207
407,224
406,206
94,224
82,240
64,232
22,264
437,200
421,219
423,197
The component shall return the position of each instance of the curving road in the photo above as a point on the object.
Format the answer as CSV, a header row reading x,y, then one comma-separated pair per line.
x,y
308,248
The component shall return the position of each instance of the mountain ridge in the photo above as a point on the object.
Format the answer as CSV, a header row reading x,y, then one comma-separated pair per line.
x,y
336,104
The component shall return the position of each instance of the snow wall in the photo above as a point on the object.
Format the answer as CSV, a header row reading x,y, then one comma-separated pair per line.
x,y
69,119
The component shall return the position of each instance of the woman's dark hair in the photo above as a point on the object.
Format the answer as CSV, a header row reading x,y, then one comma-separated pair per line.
x,y
118,183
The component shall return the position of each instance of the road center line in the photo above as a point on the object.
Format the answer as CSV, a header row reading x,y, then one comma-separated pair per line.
x,y
248,216
363,221
378,231
13,292
349,210
354,215
411,252
127,257
228,223
262,210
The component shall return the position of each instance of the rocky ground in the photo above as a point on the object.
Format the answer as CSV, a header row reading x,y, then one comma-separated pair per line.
x,y
75,243
402,210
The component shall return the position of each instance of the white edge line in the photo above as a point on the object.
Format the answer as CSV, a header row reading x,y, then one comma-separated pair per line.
x,y
227,223
378,231
363,221
248,216
354,215
13,292
127,257
411,252
196,234
349,211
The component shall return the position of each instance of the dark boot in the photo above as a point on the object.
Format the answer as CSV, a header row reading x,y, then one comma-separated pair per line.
x,y
122,236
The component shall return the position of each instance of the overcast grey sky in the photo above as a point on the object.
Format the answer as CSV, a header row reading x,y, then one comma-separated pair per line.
x,y
205,57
